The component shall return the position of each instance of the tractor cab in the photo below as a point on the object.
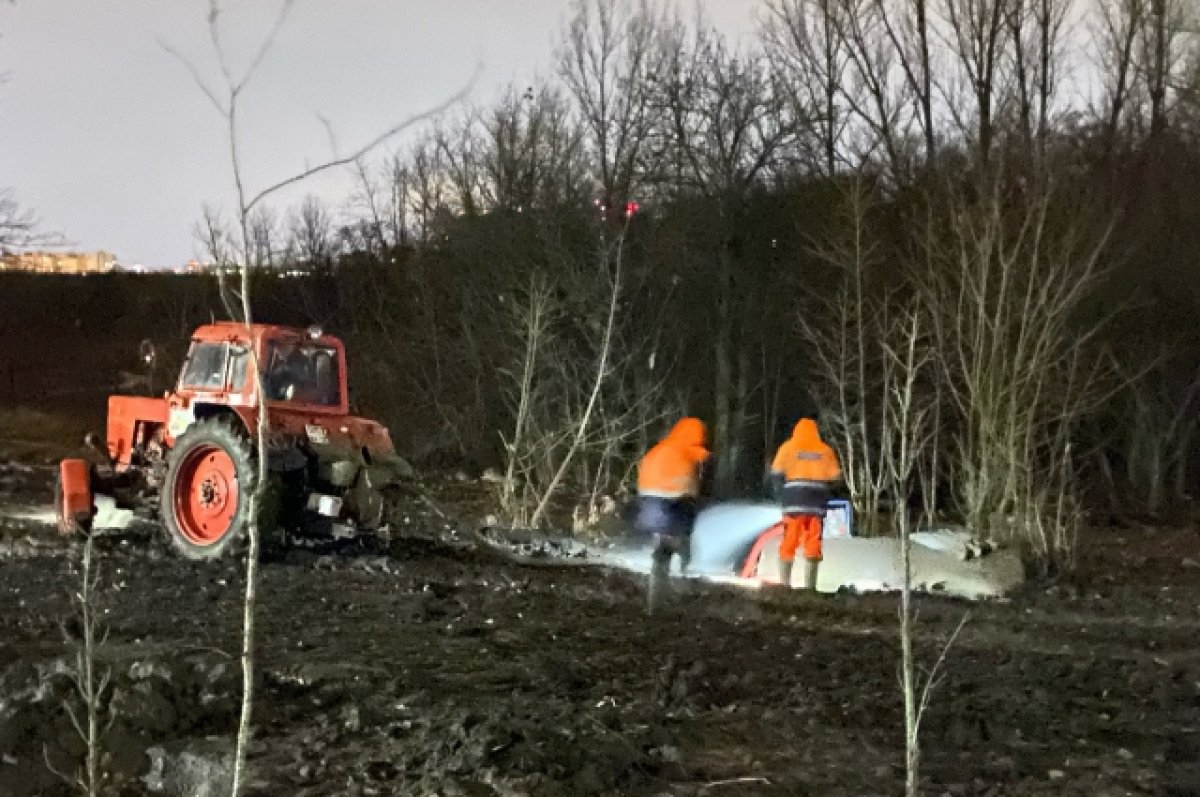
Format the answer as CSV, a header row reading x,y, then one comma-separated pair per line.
x,y
304,373
300,369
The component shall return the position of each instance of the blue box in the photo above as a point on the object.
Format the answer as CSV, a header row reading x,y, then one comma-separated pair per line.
x,y
839,519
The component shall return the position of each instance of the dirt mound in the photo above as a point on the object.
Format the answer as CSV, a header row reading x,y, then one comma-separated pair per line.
x,y
531,545
146,701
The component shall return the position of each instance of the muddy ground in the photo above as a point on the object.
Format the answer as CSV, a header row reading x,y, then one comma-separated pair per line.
x,y
423,666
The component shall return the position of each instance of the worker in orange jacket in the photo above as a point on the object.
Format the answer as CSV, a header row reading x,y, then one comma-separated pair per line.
x,y
671,478
803,474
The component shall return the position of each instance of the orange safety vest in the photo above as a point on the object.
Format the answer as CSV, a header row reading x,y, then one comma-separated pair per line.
x,y
805,457
671,469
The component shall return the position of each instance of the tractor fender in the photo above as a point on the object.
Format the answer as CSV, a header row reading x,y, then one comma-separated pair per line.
x,y
74,503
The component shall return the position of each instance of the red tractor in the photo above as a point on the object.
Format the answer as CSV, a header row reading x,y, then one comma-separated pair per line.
x,y
192,455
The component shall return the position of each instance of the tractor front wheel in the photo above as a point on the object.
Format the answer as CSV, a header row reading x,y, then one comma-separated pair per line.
x,y
205,502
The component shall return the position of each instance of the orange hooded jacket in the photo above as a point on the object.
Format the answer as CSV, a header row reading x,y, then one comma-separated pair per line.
x,y
806,457
671,469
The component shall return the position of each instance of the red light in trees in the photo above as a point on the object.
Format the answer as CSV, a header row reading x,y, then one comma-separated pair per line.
x,y
631,208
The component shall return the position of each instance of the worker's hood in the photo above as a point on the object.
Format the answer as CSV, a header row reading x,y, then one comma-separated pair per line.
x,y
688,432
806,434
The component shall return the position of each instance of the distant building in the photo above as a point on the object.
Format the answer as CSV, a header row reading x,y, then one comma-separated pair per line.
x,y
196,267
99,262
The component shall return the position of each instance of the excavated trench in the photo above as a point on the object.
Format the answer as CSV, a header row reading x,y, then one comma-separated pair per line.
x,y
943,561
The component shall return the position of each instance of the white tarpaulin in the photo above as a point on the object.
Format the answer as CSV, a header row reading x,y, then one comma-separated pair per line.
x,y
944,560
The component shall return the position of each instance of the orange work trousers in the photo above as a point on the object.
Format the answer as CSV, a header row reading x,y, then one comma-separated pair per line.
x,y
801,531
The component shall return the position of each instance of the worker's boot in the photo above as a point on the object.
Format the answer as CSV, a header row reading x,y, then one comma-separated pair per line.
x,y
684,550
810,574
785,574
660,571
654,594
685,555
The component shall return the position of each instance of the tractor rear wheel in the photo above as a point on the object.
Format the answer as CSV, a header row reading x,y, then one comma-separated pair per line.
x,y
205,501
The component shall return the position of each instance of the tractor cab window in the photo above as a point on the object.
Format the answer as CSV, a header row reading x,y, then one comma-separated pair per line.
x,y
205,366
301,373
239,356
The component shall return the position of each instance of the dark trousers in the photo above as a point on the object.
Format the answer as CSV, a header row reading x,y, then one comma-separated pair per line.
x,y
657,516
670,523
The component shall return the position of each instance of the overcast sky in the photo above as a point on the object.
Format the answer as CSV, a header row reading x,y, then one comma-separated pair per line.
x,y
108,139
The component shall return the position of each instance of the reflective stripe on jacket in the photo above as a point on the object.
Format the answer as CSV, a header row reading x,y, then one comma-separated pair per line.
x,y
806,456
803,497
808,467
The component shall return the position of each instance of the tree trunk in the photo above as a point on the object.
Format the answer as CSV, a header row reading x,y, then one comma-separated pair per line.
x,y
926,98
912,749
1154,479
723,386
1158,72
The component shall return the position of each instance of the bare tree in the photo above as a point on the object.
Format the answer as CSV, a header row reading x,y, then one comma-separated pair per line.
x,y
1164,58
265,245
725,128
1020,367
311,232
530,153
1160,440
845,334
399,214
607,61
977,31
604,355
910,29
883,104
582,382
458,147
533,311
427,181
805,40
905,437
1036,28
370,199
17,224
874,370
91,686
1116,40
384,200
1147,52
